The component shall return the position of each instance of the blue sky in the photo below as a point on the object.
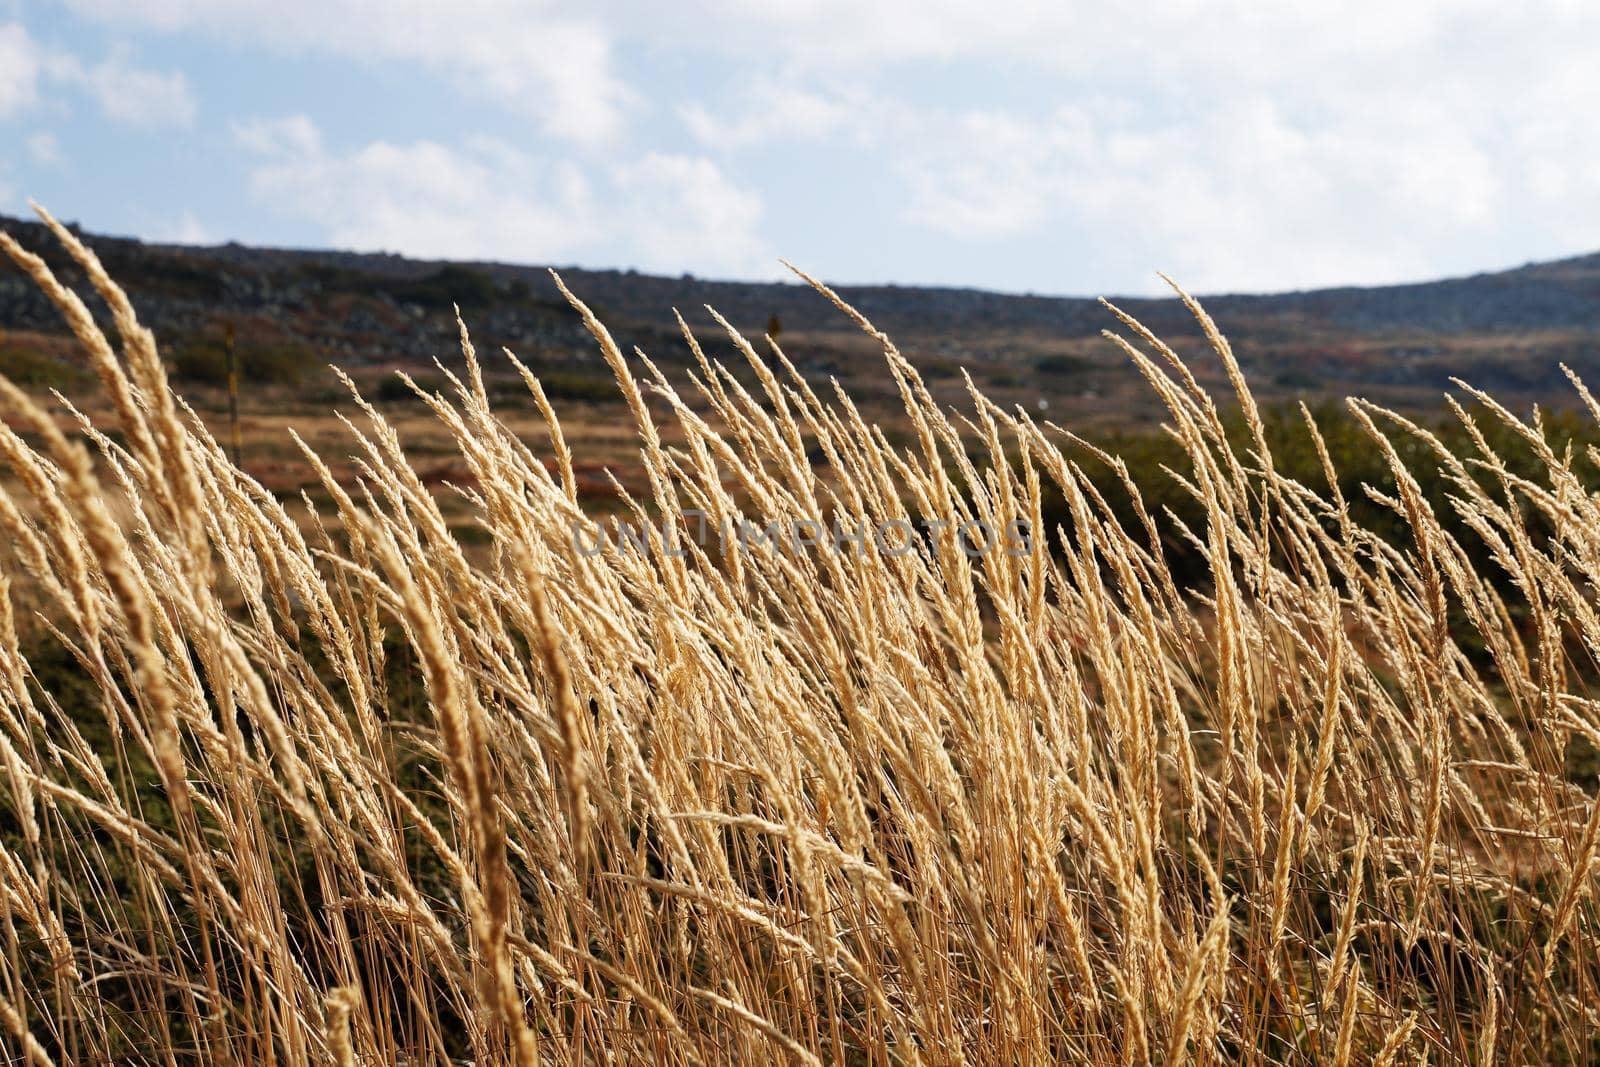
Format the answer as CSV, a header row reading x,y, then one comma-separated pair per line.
x,y
1040,147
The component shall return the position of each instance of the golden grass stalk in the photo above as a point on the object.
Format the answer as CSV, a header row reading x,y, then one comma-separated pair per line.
x,y
348,790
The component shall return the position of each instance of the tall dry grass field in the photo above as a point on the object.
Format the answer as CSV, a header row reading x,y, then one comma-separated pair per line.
x,y
324,787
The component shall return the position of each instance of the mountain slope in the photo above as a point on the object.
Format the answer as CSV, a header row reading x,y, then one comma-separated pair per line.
x,y
295,310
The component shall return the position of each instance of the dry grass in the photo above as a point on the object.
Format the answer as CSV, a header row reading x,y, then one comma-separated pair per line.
x,y
758,804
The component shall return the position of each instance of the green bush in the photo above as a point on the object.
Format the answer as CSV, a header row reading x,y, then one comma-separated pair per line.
x,y
205,362
1063,365
27,365
447,286
392,389
1357,459
568,385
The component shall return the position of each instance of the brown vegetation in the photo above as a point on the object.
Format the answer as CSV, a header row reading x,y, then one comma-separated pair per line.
x,y
332,788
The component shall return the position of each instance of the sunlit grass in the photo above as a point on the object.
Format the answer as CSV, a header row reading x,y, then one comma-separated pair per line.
x,y
338,787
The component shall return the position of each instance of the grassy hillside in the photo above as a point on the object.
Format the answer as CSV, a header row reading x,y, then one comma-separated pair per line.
x,y
1259,761
294,312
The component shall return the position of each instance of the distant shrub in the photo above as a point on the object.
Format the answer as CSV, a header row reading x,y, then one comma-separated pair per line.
x,y
172,275
26,365
1295,378
566,385
205,362
1063,365
1150,454
447,286
392,389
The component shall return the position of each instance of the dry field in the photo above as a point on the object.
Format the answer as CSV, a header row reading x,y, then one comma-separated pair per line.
x,y
402,772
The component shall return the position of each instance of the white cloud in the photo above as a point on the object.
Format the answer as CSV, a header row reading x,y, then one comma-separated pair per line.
x,y
44,149
983,174
292,135
487,199
524,56
768,110
1244,198
1240,144
19,70
186,229
136,96
125,92
1076,36
682,209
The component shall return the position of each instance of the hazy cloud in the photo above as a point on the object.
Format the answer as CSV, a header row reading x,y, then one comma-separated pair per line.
x,y
19,69
136,96
1241,145
1052,145
524,56
124,92
768,111
186,229
486,199
43,149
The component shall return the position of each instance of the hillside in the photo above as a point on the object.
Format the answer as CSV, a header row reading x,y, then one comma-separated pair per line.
x,y
296,311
